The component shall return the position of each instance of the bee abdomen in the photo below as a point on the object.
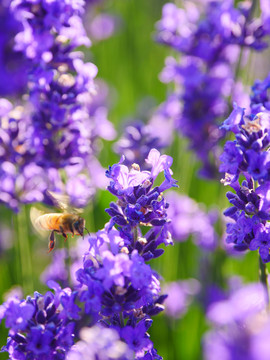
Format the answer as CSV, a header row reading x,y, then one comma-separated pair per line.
x,y
49,221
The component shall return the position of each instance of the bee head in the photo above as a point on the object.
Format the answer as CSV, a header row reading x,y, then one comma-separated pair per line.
x,y
79,225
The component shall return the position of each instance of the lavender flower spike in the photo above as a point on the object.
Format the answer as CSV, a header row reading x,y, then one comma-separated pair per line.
x,y
118,288
42,326
99,343
56,130
209,36
248,156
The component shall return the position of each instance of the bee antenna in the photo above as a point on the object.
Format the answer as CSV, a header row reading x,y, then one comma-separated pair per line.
x,y
87,231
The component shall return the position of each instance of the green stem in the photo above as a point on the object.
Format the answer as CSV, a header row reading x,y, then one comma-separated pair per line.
x,y
135,233
68,262
263,273
122,319
26,269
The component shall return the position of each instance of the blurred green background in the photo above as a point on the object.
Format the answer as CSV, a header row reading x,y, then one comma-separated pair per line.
x,y
130,62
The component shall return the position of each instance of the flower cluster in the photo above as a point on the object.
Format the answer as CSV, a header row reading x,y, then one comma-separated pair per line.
x,y
12,65
156,131
247,155
240,326
139,202
188,218
118,288
114,286
41,327
65,115
210,40
65,263
180,295
98,343
136,142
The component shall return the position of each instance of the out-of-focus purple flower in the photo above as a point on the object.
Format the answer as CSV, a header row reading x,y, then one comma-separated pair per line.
x,y
99,343
163,120
14,292
60,270
241,326
66,115
57,270
242,303
259,97
6,238
180,295
208,37
192,31
188,219
12,64
103,26
265,14
138,139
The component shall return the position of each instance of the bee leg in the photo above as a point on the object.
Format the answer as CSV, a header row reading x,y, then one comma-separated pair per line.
x,y
71,229
51,242
63,233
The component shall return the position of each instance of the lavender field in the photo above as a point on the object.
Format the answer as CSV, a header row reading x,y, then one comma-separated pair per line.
x,y
134,180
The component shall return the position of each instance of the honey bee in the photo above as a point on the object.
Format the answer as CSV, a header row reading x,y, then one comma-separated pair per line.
x,y
64,223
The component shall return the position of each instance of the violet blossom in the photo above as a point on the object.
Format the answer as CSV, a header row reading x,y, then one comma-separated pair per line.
x,y
180,295
98,343
115,288
247,155
58,129
210,40
189,219
136,142
42,326
118,288
240,326
12,65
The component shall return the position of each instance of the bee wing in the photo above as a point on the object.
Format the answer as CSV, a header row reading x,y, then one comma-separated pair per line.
x,y
62,201
34,215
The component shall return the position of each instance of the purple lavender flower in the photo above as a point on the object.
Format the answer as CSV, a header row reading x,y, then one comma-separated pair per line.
x,y
42,326
208,39
247,155
163,120
111,280
99,343
138,139
137,338
195,36
265,14
187,218
103,26
59,270
117,288
180,295
60,127
12,65
241,326
139,203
